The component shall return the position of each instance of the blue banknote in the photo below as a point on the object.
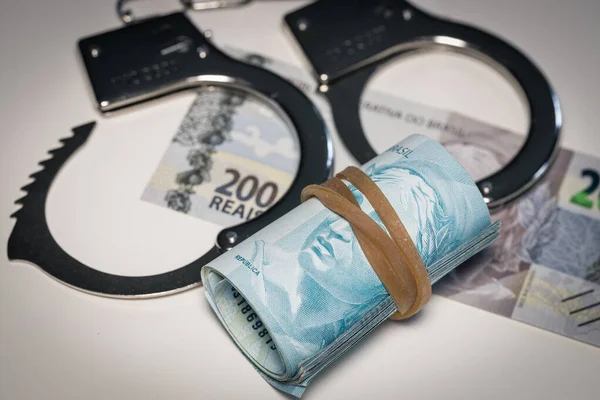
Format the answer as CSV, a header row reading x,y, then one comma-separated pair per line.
x,y
300,292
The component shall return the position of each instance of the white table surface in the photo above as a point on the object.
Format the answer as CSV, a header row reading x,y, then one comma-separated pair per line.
x,y
58,343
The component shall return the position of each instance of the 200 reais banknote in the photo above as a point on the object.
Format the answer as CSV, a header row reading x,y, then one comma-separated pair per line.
x,y
300,292
230,160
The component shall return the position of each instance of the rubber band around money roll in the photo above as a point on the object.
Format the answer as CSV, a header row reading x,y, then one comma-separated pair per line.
x,y
393,257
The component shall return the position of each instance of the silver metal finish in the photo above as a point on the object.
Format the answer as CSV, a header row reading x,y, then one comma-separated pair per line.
x,y
126,14
444,43
231,237
212,4
370,34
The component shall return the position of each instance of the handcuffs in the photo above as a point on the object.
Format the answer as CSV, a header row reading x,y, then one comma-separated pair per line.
x,y
179,57
146,60
126,15
368,34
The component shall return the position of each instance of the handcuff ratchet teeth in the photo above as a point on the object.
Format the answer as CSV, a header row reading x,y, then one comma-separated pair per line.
x,y
370,33
142,61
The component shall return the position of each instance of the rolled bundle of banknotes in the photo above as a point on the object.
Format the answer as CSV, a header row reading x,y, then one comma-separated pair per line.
x,y
300,292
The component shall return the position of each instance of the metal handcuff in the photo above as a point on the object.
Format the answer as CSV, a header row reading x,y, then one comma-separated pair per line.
x,y
175,56
126,15
368,34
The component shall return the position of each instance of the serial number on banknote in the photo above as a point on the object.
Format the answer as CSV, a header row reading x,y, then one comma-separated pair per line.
x,y
253,319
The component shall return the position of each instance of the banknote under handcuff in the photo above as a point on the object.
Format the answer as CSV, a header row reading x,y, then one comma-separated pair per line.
x,y
369,34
